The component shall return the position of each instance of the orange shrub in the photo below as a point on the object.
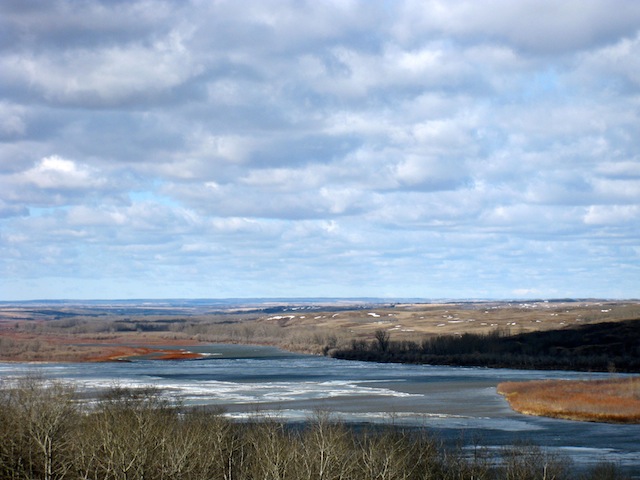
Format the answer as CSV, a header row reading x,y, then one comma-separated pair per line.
x,y
613,400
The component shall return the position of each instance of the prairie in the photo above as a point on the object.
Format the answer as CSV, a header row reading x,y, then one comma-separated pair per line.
x,y
74,331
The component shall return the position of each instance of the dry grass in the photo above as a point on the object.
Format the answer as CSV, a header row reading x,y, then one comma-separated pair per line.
x,y
124,353
615,400
405,321
45,347
80,333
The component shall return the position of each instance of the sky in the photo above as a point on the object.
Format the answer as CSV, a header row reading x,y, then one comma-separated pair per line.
x,y
335,148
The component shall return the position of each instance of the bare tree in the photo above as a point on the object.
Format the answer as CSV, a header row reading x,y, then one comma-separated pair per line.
x,y
383,337
131,430
328,450
271,451
42,414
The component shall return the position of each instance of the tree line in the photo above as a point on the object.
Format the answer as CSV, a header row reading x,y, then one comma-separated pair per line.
x,y
608,346
48,433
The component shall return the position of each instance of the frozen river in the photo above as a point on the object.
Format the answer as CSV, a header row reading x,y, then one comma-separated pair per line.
x,y
460,404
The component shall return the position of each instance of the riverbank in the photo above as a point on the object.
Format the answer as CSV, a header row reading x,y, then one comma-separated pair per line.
x,y
128,352
75,332
73,348
598,347
140,431
615,400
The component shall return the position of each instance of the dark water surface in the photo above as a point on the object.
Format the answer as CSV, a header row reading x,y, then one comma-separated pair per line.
x,y
461,404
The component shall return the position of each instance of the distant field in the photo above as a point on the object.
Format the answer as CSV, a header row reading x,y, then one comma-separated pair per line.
x,y
404,321
98,331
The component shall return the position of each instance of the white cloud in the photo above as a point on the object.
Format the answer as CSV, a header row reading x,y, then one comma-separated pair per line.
x,y
306,148
12,122
618,190
55,181
8,210
532,25
624,169
55,172
429,173
615,65
623,215
105,76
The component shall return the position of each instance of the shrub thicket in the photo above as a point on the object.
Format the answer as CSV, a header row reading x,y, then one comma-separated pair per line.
x,y
598,347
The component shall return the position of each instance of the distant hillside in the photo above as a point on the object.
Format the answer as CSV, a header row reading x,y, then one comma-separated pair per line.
x,y
607,346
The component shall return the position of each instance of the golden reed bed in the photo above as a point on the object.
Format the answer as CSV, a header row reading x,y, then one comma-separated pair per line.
x,y
615,400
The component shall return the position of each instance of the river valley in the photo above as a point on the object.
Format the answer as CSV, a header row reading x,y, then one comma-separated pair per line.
x,y
458,404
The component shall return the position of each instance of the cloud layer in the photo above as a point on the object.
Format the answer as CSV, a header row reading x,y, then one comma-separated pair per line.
x,y
159,148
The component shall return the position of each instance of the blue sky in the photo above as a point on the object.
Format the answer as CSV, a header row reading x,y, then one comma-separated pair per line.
x,y
430,149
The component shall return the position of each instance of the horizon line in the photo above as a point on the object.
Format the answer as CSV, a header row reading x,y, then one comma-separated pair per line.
x,y
308,299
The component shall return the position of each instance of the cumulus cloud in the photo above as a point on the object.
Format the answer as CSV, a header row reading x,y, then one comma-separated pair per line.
x,y
55,172
57,181
540,27
12,123
103,77
8,210
430,149
612,215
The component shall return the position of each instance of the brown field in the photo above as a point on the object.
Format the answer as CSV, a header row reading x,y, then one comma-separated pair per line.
x,y
71,348
615,400
97,333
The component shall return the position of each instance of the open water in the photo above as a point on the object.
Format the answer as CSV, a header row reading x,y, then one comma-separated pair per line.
x,y
459,404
